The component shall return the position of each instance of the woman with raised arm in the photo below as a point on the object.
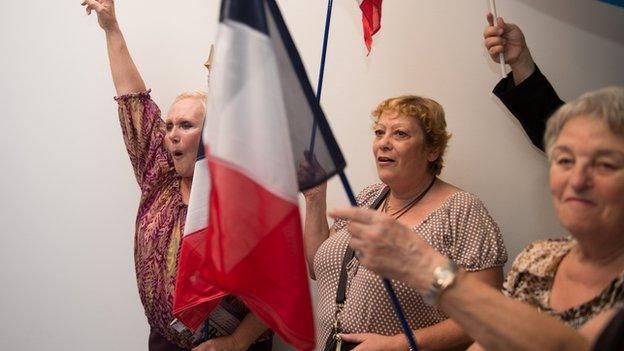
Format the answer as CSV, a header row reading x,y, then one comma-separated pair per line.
x,y
163,156
525,91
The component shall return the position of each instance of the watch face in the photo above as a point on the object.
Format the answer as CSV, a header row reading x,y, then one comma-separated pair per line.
x,y
443,276
446,274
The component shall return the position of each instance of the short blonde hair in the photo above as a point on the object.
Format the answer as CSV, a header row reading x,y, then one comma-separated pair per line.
x,y
606,104
430,116
194,94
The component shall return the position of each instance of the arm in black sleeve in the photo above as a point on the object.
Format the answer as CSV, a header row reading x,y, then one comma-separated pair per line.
x,y
531,102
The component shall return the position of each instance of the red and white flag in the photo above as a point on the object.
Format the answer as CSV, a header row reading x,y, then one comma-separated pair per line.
x,y
243,233
371,20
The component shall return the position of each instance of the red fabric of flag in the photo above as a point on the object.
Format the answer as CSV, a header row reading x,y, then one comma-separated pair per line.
x,y
243,233
371,20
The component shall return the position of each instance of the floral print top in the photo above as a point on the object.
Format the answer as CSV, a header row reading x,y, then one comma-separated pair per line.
x,y
533,273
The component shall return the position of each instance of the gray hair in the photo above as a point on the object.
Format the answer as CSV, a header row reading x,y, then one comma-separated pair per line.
x,y
606,104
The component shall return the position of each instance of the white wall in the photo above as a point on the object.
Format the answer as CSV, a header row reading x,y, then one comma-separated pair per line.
x,y
69,197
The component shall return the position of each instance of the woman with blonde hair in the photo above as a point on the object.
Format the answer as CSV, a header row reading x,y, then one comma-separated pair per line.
x,y
163,155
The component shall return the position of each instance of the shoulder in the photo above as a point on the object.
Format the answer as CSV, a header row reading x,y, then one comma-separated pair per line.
x,y
462,203
368,195
542,257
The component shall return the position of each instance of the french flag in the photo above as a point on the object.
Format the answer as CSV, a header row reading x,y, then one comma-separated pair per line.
x,y
243,234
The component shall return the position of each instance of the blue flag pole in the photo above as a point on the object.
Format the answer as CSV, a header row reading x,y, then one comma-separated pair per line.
x,y
319,84
387,284
345,182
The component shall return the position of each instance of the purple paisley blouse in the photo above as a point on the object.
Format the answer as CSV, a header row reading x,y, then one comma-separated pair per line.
x,y
161,215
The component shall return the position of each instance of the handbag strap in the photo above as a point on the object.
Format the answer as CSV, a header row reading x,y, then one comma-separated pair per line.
x,y
341,292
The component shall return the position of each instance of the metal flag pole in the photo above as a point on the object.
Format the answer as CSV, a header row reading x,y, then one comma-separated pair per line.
x,y
501,56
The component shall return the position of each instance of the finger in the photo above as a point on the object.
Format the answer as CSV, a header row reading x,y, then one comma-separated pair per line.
x,y
500,22
359,230
357,214
494,41
358,246
358,338
94,5
495,50
492,31
490,18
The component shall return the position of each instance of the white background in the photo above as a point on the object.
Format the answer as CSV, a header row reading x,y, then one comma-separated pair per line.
x,y
69,197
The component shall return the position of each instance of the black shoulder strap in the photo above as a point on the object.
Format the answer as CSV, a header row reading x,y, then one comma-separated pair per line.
x,y
341,293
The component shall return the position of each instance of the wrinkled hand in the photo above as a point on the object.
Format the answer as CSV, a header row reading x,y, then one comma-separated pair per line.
x,y
373,342
224,343
105,10
389,248
308,170
506,38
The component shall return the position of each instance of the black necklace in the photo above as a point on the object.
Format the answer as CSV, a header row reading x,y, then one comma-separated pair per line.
x,y
401,211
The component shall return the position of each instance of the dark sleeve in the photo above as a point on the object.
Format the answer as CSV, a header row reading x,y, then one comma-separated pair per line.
x,y
531,102
612,337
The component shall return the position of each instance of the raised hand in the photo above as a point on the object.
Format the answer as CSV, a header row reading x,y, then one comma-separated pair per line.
x,y
507,38
105,10
310,170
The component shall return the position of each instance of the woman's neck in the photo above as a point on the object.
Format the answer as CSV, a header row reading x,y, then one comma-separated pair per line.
x,y
605,252
185,189
410,190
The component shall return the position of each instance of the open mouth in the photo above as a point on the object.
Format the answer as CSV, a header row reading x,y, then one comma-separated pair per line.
x,y
383,160
177,154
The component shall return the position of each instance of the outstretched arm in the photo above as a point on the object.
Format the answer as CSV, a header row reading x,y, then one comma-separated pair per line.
x,y
126,76
495,321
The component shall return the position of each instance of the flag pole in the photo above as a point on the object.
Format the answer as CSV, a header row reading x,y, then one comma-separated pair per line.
x,y
501,56
387,284
319,84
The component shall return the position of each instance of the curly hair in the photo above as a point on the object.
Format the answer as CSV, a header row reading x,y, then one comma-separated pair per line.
x,y
430,117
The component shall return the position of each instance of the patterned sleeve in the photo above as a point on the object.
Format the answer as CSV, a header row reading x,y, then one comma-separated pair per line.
x,y
534,259
364,199
475,241
510,283
144,133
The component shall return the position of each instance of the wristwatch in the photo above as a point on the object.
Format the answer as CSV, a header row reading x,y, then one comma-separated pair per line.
x,y
443,278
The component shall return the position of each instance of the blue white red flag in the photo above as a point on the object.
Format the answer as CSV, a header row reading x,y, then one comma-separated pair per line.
x,y
243,234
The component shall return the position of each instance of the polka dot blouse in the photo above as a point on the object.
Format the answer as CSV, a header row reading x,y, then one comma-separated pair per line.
x,y
460,229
